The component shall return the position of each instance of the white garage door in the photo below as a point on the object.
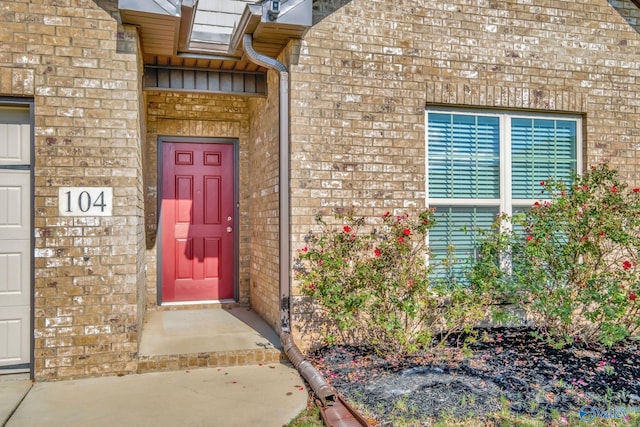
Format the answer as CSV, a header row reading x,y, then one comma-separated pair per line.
x,y
15,239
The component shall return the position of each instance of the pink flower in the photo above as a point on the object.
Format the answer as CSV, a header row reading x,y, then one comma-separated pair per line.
x,y
377,252
305,249
585,188
312,286
536,204
627,265
614,189
346,229
602,234
386,214
632,296
406,232
410,283
529,238
542,183
636,190
401,239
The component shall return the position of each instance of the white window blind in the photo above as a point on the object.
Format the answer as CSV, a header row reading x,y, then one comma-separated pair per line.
x,y
481,163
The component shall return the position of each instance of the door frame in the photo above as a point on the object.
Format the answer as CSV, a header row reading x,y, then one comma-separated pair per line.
x,y
29,103
236,211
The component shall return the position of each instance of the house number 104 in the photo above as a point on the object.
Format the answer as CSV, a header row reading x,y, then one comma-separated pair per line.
x,y
85,201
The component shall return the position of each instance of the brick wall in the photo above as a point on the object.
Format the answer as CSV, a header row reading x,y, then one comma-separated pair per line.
x,y
203,116
141,262
368,68
264,199
68,57
359,86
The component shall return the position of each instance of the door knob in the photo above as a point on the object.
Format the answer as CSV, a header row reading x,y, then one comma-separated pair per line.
x,y
229,229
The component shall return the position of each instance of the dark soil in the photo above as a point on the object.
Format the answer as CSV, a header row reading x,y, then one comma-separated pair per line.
x,y
505,367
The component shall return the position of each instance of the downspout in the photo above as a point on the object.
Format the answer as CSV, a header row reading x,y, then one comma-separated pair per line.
x,y
317,382
283,182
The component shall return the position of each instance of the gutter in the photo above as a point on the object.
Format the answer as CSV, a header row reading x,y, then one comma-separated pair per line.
x,y
187,16
317,382
249,20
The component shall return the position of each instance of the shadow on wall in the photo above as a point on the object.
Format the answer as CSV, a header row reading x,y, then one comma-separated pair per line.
x,y
127,43
324,8
312,326
630,12
110,7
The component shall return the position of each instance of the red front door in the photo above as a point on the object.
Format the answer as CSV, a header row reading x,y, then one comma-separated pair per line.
x,y
197,222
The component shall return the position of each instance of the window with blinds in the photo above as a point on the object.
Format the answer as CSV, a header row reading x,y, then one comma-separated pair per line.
x,y
481,163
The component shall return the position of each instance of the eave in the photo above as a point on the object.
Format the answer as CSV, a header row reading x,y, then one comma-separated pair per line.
x,y
167,37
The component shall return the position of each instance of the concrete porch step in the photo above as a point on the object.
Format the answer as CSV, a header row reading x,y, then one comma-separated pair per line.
x,y
206,337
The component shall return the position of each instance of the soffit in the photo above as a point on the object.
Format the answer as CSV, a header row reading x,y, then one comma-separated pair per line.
x,y
208,33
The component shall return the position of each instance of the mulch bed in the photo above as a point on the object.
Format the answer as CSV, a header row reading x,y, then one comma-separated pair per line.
x,y
505,366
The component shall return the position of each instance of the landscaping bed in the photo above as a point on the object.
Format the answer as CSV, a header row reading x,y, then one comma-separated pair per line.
x,y
505,369
569,266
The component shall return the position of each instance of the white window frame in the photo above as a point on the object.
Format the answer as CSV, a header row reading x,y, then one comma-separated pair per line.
x,y
505,202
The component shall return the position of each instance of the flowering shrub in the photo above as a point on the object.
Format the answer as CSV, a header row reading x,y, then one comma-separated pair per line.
x,y
374,284
572,259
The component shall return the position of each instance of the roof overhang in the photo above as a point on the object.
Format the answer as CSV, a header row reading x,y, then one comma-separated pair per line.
x,y
272,32
167,29
159,23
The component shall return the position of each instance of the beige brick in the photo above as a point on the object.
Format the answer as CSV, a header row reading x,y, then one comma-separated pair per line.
x,y
368,96
360,81
50,47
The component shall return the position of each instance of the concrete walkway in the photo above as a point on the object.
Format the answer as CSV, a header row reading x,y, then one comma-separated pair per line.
x,y
240,396
13,388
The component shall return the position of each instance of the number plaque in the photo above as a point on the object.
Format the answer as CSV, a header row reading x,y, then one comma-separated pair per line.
x,y
85,201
